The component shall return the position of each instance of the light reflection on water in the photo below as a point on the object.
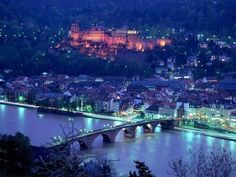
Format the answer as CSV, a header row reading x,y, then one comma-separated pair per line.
x,y
155,149
2,109
158,149
21,113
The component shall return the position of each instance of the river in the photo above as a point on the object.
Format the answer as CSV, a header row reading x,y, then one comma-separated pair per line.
x,y
155,149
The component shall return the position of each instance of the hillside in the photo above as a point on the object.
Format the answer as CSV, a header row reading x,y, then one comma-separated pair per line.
x,y
29,28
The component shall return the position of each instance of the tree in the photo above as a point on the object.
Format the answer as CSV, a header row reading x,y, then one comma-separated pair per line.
x,y
143,170
218,163
15,155
66,159
142,115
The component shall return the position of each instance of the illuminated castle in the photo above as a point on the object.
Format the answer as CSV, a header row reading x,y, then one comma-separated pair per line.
x,y
126,38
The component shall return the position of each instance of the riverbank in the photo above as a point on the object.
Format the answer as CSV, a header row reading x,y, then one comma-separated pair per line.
x,y
68,113
225,136
18,104
59,112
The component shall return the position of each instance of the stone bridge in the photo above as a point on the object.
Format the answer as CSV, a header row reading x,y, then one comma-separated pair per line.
x,y
109,134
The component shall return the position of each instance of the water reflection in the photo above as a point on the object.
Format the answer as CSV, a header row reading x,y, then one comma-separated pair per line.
x,y
89,123
210,141
21,113
189,136
2,109
41,116
139,130
232,146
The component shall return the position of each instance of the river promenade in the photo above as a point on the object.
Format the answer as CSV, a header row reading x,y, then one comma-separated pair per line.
x,y
226,136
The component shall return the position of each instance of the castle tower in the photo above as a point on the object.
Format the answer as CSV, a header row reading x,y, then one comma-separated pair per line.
x,y
74,31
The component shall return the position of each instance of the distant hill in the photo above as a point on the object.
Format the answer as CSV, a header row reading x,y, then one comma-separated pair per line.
x,y
29,29
210,15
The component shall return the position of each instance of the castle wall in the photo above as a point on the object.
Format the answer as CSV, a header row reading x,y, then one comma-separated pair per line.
x,y
128,38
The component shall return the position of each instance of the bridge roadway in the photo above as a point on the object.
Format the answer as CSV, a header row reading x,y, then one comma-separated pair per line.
x,y
109,134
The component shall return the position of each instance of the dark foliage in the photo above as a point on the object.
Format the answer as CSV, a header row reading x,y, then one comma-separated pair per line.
x,y
30,29
143,170
217,164
15,155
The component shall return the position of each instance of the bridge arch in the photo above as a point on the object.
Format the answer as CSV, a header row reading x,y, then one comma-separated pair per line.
x,y
108,137
84,144
150,127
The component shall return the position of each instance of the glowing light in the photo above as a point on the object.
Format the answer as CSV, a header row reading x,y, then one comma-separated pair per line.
x,y
21,98
132,32
162,43
89,108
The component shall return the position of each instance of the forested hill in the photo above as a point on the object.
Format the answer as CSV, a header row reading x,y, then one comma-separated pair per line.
x,y
30,29
204,15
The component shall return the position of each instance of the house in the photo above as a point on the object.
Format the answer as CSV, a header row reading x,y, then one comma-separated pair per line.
x,y
220,111
192,106
156,84
182,75
227,85
205,86
83,78
171,63
136,88
102,105
232,120
115,105
193,61
161,70
210,79
195,110
152,112
17,93
167,110
224,59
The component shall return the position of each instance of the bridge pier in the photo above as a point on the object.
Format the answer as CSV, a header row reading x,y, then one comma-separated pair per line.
x,y
168,124
130,132
85,143
110,137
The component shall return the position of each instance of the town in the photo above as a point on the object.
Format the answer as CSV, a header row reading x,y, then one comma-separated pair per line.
x,y
209,101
